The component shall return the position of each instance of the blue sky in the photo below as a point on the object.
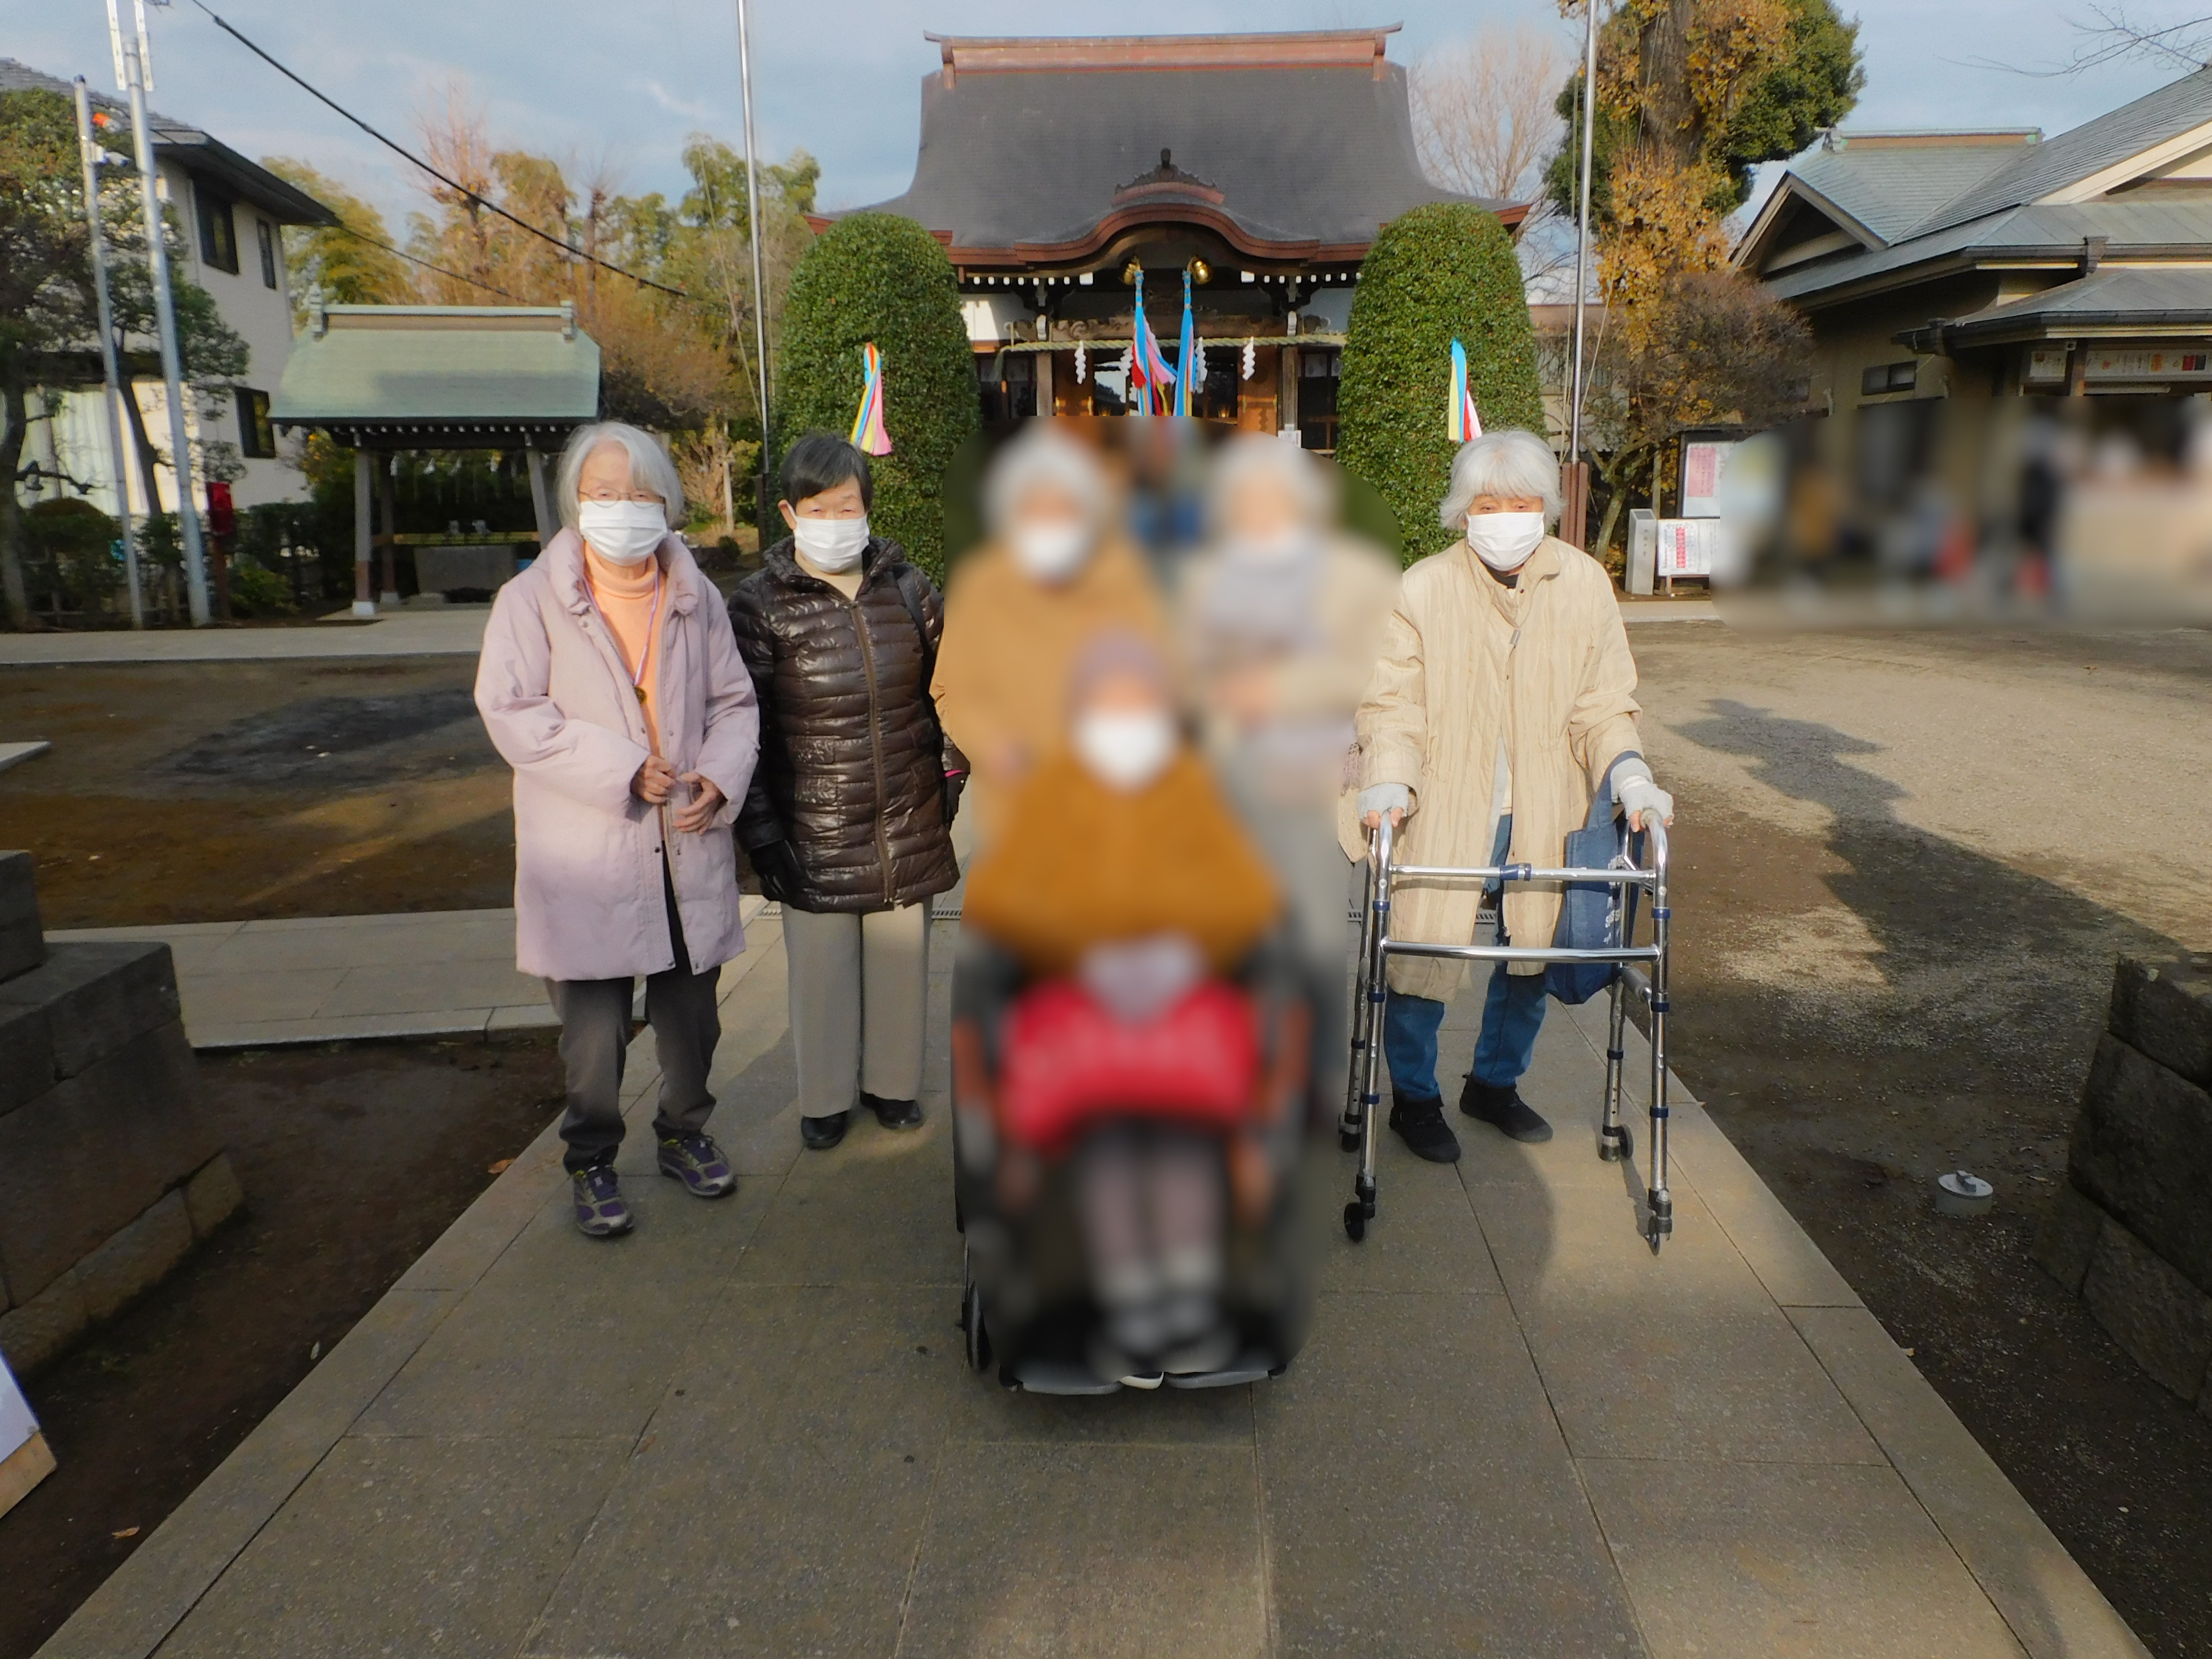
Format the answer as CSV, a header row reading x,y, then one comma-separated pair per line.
x,y
624,82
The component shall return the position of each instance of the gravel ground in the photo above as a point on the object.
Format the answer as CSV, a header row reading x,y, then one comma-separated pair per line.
x,y
1907,862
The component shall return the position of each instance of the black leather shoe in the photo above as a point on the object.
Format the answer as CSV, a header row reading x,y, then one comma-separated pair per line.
x,y
1505,1110
821,1133
893,1114
1420,1124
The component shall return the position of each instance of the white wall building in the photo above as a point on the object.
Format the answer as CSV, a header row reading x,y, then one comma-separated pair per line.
x,y
232,212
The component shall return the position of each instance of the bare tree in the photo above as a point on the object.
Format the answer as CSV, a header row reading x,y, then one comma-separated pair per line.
x,y
2110,33
1483,113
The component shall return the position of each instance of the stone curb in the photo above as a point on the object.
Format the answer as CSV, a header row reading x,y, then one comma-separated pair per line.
x,y
133,1612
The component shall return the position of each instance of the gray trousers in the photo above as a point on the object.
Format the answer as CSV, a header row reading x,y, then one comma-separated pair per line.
x,y
860,1000
594,1013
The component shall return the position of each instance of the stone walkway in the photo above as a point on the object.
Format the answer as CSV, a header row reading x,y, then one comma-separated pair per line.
x,y
434,631
749,1430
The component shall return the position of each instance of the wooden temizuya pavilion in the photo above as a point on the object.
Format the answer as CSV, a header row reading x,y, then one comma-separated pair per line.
x,y
381,379
1261,164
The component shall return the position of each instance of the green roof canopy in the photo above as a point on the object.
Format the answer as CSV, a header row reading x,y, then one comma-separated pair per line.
x,y
441,377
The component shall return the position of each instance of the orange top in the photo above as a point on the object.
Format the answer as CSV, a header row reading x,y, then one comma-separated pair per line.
x,y
626,596
1077,864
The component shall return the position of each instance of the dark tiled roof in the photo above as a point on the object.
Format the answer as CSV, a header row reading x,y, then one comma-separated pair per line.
x,y
196,151
1290,156
1890,190
2027,230
2132,295
2088,150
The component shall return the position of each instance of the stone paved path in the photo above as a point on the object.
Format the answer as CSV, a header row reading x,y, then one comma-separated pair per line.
x,y
435,631
748,1430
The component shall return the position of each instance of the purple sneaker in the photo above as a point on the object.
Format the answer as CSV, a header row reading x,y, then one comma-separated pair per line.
x,y
600,1212
698,1163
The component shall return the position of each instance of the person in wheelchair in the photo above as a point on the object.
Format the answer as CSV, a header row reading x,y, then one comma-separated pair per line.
x,y
1124,1039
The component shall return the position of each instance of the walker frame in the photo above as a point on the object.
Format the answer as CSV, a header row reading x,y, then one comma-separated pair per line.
x,y
1644,972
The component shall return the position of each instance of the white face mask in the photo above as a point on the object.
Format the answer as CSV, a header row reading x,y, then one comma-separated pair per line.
x,y
1126,751
622,532
1051,549
832,545
1504,541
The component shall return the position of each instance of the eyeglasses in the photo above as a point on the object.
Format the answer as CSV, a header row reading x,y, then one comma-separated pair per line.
x,y
605,496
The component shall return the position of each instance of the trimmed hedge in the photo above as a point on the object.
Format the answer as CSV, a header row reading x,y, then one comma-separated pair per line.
x,y
1441,272
874,276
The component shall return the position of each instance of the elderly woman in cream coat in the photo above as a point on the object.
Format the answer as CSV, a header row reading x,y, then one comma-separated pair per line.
x,y
612,683
1503,698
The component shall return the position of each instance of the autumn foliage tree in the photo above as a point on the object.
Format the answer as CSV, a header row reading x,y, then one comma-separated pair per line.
x,y
1691,95
1709,349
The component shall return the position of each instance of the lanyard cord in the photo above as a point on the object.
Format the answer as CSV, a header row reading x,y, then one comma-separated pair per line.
x,y
652,621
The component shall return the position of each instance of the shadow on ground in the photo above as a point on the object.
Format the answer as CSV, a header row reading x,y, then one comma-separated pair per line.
x,y
1866,1009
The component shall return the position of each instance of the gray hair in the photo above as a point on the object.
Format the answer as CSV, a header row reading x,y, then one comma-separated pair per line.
x,y
1289,468
1042,456
1510,462
649,467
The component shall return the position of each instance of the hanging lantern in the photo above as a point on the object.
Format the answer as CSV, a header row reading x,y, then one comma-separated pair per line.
x,y
1251,358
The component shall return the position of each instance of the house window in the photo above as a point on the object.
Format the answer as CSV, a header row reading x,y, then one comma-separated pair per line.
x,y
257,438
267,233
1883,378
218,229
1318,368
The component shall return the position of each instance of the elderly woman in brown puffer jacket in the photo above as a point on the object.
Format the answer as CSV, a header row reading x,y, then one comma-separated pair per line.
x,y
847,820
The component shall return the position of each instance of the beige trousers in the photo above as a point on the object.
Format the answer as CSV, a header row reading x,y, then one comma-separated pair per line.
x,y
860,997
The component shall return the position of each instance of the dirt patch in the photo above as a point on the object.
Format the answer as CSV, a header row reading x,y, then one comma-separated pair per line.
x,y
354,1160
1864,1009
224,792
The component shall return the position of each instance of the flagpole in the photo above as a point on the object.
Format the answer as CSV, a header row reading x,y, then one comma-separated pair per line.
x,y
752,227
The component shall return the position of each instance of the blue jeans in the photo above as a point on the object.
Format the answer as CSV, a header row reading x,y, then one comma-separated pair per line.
x,y
1512,1014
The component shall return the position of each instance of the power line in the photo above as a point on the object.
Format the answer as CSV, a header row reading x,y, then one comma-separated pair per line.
x,y
454,276
573,251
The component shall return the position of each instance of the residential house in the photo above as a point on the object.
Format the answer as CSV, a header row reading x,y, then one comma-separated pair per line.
x,y
234,212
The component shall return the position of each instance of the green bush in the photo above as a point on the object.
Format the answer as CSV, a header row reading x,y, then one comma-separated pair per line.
x,y
258,591
1439,273
71,547
874,278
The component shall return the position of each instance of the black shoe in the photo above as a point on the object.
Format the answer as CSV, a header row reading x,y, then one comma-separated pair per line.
x,y
893,1114
1420,1124
1505,1110
821,1133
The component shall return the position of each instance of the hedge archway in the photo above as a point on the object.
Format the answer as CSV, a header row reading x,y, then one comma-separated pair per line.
x,y
1441,272
871,277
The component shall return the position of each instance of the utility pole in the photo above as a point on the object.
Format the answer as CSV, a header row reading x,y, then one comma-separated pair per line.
x,y
133,73
760,286
1582,222
91,155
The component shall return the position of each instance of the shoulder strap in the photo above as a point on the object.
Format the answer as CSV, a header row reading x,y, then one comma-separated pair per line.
x,y
913,601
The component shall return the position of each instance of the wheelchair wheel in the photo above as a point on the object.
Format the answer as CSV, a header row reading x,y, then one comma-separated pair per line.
x,y
978,1340
1355,1221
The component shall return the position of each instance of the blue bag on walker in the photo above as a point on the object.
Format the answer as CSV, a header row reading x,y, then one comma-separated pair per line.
x,y
1594,915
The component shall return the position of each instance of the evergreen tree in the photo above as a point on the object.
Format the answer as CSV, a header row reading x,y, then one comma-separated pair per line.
x,y
1440,273
871,277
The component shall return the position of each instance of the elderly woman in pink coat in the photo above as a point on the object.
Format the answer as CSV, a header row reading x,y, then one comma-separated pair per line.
x,y
610,681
